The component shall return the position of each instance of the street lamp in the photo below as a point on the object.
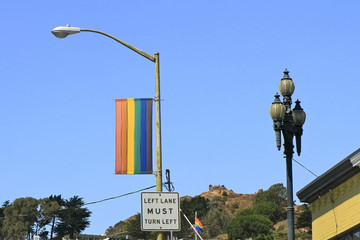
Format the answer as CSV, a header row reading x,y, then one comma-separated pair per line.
x,y
289,122
64,31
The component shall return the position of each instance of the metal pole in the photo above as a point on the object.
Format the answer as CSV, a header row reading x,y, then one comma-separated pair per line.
x,y
290,202
288,133
154,59
158,172
195,221
158,125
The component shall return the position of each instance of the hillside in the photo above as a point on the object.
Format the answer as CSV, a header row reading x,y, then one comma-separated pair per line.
x,y
234,202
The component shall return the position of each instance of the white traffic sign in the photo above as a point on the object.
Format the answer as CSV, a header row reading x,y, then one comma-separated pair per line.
x,y
160,211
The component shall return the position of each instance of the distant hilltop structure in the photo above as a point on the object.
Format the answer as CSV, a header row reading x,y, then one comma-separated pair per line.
x,y
221,188
218,188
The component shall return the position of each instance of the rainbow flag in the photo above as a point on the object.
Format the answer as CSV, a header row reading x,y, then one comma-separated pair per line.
x,y
133,138
198,225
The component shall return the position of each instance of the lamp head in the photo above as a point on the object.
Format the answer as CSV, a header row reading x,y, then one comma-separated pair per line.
x,y
286,85
64,31
277,109
298,114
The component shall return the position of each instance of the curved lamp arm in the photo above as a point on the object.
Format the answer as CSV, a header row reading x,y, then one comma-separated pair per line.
x,y
144,54
64,31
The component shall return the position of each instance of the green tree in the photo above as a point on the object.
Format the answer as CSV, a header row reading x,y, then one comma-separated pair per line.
x,y
273,211
46,210
246,212
20,218
55,214
304,219
234,206
73,218
133,228
196,204
2,216
216,219
264,237
249,226
188,207
117,228
275,194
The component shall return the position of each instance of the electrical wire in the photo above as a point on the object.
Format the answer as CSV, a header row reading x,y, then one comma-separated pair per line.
x,y
123,195
305,168
99,201
333,209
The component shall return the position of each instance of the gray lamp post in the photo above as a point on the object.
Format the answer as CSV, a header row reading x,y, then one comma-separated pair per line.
x,y
289,122
64,31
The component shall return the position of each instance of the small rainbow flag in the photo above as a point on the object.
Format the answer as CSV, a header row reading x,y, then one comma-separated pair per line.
x,y
133,138
198,225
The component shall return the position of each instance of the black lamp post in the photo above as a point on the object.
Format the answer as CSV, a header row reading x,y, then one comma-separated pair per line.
x,y
289,122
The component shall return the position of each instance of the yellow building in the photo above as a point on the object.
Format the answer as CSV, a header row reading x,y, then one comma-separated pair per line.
x,y
334,200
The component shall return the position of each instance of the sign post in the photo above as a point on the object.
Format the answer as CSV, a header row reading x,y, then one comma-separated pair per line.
x,y
160,211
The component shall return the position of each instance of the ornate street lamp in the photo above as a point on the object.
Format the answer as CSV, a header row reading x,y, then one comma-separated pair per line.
x,y
289,122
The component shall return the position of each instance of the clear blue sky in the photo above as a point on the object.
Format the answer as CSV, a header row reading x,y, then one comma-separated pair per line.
x,y
220,64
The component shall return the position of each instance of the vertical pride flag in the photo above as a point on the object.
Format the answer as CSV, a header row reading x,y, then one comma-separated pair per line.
x,y
198,226
133,136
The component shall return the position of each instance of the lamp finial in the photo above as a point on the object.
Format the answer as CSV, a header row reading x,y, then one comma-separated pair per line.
x,y
286,74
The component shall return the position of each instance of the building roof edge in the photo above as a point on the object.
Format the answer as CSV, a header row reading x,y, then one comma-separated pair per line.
x,y
331,178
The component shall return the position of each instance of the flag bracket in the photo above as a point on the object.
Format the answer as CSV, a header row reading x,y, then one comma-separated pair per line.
x,y
157,173
168,184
